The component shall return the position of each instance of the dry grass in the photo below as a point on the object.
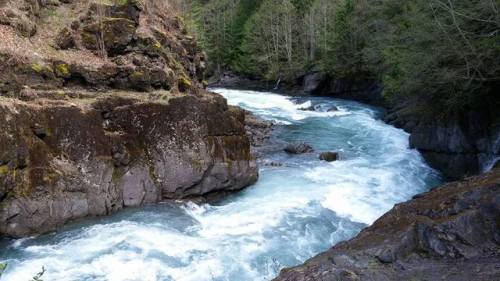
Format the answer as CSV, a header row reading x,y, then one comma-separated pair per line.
x,y
41,45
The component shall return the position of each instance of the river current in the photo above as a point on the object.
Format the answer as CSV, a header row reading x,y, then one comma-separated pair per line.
x,y
292,213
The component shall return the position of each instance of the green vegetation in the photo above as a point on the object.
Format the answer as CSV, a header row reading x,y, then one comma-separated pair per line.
x,y
3,267
446,51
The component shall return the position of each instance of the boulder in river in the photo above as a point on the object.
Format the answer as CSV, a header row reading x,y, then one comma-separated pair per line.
x,y
329,156
333,109
298,148
309,108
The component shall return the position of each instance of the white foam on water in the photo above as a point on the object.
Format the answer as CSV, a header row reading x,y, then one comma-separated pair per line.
x,y
291,214
304,105
275,107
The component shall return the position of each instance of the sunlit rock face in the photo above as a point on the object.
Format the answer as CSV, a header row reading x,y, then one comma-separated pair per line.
x,y
63,160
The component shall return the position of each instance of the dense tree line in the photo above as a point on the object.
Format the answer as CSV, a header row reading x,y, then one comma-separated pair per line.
x,y
444,50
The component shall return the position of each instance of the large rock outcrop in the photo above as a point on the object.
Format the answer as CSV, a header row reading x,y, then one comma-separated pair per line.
x,y
449,233
103,107
457,145
62,160
316,82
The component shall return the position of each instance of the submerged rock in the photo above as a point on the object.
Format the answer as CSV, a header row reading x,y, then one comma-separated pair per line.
x,y
298,148
448,233
333,109
309,108
329,156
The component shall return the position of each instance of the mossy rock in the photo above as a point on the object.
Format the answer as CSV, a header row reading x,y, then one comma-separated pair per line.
x,y
46,71
4,170
62,70
140,80
64,39
117,33
150,46
38,68
184,83
137,75
127,9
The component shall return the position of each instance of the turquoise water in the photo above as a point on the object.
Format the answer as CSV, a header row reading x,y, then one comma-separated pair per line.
x,y
293,213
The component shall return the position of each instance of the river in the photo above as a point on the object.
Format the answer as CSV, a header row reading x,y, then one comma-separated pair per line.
x,y
292,213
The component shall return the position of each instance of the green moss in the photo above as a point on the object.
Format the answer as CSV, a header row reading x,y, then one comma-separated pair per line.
x,y
37,68
45,70
62,70
4,170
184,80
184,83
136,75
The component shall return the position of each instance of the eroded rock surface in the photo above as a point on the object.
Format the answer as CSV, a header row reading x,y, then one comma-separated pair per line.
x,y
102,108
460,145
63,160
449,233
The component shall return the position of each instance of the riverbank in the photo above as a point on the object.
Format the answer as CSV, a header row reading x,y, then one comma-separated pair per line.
x,y
448,233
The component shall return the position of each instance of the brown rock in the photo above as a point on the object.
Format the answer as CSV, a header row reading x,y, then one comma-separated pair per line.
x,y
75,167
64,39
329,156
114,33
298,148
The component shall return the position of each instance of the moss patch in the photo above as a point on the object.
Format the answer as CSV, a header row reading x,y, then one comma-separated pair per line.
x,y
38,68
62,70
184,83
136,75
4,170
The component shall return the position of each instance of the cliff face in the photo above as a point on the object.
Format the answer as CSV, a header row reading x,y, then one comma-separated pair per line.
x,y
449,233
458,145
106,112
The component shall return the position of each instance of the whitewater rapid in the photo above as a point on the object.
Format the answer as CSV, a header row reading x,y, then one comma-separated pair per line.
x,y
291,214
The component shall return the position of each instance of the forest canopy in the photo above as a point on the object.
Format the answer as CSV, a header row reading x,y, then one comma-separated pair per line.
x,y
444,50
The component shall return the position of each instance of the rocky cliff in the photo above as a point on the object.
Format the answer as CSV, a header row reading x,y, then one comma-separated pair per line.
x,y
458,145
103,108
449,233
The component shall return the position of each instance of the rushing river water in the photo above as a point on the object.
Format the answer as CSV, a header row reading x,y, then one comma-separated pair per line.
x,y
294,211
